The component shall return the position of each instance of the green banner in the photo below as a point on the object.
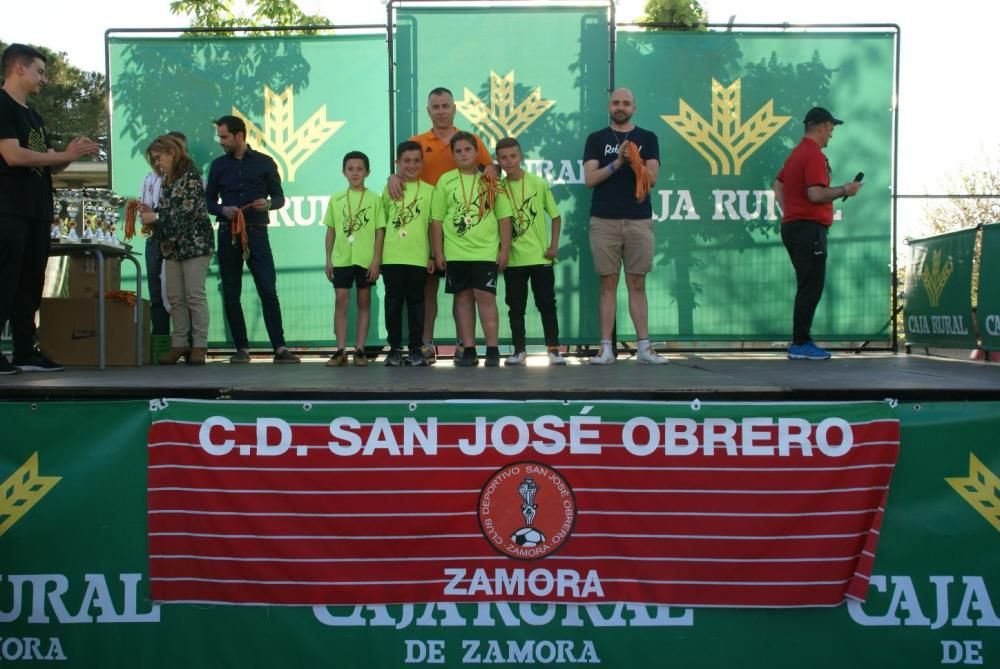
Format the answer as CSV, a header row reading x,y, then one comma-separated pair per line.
x,y
728,108
938,309
503,87
307,101
988,302
74,581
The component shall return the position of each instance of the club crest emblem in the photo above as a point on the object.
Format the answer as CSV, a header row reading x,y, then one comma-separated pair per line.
x,y
527,510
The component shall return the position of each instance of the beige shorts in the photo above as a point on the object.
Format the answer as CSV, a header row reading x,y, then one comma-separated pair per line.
x,y
617,240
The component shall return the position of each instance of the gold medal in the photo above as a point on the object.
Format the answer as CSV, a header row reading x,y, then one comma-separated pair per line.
x,y
350,239
402,234
467,220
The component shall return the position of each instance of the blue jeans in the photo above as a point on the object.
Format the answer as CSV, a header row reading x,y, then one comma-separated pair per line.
x,y
261,264
157,312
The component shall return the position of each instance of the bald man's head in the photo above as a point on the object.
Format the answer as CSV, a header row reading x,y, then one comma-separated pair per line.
x,y
621,107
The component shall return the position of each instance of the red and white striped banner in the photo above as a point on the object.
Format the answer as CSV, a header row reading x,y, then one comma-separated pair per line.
x,y
776,506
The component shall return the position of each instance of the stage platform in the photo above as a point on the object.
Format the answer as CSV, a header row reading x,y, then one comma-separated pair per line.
x,y
707,376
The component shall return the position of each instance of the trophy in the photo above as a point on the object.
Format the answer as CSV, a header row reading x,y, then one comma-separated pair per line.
x,y
111,221
57,214
528,536
69,223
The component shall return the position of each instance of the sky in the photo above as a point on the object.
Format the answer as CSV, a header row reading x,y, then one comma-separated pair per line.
x,y
945,76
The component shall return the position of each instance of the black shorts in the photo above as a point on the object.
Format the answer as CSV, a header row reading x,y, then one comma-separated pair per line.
x,y
465,274
345,277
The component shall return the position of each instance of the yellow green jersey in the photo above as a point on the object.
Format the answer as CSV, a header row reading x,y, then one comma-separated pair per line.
x,y
527,203
471,230
354,217
407,220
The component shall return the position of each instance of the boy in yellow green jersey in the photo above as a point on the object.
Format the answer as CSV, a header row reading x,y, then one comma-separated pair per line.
x,y
472,246
405,254
355,228
532,252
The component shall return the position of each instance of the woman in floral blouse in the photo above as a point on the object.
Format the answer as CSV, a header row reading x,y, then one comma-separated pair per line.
x,y
184,232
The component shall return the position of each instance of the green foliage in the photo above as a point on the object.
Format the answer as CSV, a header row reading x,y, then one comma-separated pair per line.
x,y
72,103
263,13
683,14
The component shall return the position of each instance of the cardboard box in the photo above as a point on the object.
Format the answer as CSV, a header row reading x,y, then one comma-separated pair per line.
x,y
82,276
67,331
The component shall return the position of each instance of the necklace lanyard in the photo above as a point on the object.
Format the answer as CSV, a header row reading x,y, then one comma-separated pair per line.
x,y
623,139
518,214
406,213
353,225
465,198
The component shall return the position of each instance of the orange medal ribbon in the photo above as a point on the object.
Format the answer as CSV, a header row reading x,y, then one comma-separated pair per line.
x,y
643,181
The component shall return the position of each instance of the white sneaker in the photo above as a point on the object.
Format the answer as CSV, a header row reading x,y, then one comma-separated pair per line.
x,y
556,358
516,359
605,357
647,356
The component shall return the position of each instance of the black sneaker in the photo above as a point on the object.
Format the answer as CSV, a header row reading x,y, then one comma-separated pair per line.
x,y
36,361
468,359
285,357
417,358
492,356
6,367
394,359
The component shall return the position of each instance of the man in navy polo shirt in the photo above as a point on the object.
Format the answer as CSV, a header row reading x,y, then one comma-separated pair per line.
x,y
246,179
804,194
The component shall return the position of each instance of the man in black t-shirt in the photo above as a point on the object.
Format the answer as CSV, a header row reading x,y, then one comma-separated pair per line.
x,y
27,162
621,227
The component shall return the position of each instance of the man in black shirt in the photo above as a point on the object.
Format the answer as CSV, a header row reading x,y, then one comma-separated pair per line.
x,y
27,161
621,227
248,180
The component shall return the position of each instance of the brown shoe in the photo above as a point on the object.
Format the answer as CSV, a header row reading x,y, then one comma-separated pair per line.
x,y
197,356
174,356
338,359
360,360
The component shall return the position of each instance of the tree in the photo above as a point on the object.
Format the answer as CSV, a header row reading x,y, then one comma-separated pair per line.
x,y
958,213
72,102
219,14
686,13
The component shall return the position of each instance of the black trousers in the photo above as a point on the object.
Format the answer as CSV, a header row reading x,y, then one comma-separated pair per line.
x,y
805,242
404,285
24,251
261,264
543,287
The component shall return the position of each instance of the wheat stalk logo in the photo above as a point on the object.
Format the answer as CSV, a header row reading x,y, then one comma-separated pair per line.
x,y
935,278
981,489
289,146
21,491
726,142
503,117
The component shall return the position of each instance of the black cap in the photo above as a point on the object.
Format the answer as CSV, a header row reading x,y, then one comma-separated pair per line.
x,y
820,115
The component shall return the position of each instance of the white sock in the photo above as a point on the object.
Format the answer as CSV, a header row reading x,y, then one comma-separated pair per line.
x,y
643,344
606,345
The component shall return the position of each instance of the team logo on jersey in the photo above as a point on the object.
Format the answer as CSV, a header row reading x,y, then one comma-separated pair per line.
x,y
935,277
727,141
527,510
355,220
524,214
22,490
288,145
502,117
